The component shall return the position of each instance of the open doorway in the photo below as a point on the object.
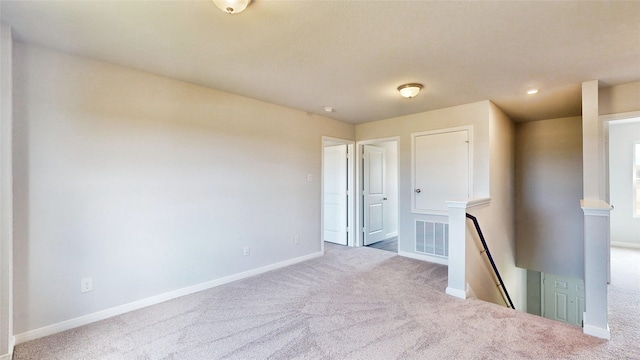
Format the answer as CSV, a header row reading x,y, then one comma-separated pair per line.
x,y
378,200
623,139
337,191
624,182
623,163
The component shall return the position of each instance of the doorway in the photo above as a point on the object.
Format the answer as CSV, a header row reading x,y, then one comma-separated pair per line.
x,y
337,191
624,182
378,189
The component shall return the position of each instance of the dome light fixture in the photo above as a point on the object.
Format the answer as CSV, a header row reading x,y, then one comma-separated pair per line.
x,y
532,91
410,90
232,6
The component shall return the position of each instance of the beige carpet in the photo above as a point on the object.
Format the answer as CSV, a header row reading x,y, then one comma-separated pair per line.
x,y
353,303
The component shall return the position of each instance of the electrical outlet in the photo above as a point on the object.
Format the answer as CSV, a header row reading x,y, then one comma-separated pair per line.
x,y
86,285
296,240
246,251
310,178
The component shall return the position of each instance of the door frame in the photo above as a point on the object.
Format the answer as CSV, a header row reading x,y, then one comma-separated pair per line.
x,y
359,208
605,171
469,130
350,191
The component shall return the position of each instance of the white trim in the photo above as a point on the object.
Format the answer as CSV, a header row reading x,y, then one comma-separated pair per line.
x,y
136,305
636,179
468,204
625,245
6,356
596,331
621,117
469,130
595,208
425,257
461,294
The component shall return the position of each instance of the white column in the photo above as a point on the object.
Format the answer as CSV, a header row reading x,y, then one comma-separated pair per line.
x,y
591,144
596,248
457,248
457,244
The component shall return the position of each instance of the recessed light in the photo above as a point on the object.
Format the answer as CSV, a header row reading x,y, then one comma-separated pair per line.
x,y
328,109
532,91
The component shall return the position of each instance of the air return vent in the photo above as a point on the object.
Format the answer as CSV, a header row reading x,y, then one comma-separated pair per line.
x,y
432,238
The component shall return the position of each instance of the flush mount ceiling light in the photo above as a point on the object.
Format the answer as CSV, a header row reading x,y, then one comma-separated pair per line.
x,y
532,91
232,6
328,109
409,90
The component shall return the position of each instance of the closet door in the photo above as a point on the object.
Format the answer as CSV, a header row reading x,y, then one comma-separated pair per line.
x,y
441,169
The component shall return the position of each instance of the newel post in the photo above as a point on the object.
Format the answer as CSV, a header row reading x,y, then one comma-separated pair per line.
x,y
457,248
596,269
458,244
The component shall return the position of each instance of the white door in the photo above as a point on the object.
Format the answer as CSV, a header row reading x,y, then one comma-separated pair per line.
x,y
335,194
563,299
373,192
441,170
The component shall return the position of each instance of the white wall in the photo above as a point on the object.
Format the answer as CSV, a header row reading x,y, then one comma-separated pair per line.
x,y
6,193
149,185
548,182
475,114
492,177
625,228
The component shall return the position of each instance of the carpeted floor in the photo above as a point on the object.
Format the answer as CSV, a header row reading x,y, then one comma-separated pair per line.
x,y
352,303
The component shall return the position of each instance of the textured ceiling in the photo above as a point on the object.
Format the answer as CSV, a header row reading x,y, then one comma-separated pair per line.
x,y
352,55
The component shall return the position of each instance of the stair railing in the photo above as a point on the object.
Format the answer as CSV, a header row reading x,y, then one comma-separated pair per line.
x,y
493,264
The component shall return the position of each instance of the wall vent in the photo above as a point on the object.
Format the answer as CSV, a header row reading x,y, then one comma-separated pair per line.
x,y
432,238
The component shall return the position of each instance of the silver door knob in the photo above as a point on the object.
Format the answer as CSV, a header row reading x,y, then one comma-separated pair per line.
x,y
418,191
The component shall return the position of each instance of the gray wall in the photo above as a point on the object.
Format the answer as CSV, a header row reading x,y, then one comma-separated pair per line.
x,y
534,292
549,220
150,185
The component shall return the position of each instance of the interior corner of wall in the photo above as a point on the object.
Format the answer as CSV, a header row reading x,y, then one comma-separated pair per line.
x,y
469,292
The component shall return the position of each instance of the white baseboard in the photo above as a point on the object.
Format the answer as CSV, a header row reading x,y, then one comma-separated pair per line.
x,y
9,355
433,259
118,310
597,331
625,245
461,294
